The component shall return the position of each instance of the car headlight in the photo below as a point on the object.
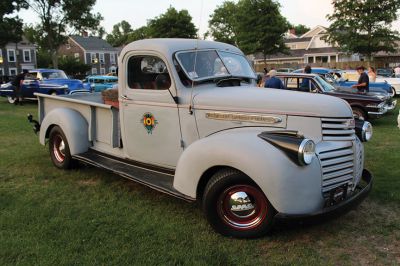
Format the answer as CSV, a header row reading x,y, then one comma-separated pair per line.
x,y
364,130
299,149
306,152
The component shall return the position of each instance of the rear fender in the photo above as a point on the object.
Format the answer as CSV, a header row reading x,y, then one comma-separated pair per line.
x,y
72,123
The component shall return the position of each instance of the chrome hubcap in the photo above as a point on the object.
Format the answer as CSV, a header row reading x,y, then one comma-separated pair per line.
x,y
242,207
59,149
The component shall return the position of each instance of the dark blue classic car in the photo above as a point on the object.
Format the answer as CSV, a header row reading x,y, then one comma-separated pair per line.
x,y
46,81
334,77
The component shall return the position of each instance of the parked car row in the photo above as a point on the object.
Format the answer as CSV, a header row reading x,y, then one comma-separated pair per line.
x,y
55,82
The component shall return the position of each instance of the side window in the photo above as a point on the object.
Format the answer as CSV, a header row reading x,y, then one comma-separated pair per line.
x,y
292,83
148,73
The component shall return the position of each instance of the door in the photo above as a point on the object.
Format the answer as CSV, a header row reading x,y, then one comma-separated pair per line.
x,y
150,121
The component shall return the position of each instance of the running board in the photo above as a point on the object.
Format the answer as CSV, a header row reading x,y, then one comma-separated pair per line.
x,y
157,180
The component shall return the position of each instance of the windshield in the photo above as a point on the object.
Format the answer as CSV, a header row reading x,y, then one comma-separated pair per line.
x,y
211,64
54,75
326,86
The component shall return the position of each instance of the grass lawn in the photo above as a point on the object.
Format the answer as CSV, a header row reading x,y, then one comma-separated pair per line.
x,y
88,216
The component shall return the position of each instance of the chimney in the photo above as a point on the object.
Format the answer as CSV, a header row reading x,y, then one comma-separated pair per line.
x,y
292,31
85,34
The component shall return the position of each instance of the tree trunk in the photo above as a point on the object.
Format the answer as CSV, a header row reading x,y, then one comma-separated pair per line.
x,y
54,59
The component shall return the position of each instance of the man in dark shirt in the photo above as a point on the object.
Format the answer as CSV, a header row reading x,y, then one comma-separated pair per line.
x,y
17,86
363,81
274,82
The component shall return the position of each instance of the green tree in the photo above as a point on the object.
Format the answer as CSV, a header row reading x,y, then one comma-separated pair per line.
x,y
73,67
59,18
299,29
223,23
10,26
138,34
261,27
119,34
363,27
172,24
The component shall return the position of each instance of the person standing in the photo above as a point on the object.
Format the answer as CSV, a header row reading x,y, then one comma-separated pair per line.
x,y
372,74
274,82
363,82
397,72
17,82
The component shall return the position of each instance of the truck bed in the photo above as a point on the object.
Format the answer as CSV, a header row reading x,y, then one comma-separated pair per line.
x,y
102,119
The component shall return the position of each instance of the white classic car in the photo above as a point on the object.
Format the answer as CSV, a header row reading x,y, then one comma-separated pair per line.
x,y
192,123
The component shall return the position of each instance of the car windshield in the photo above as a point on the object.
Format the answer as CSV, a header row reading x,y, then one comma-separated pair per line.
x,y
211,64
326,86
54,75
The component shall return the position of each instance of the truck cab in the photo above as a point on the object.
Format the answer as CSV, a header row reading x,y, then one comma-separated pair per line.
x,y
192,123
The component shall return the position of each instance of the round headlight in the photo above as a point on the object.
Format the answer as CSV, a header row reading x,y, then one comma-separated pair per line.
x,y
366,131
306,151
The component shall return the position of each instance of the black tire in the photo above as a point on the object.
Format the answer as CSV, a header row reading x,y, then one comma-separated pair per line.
x,y
393,92
59,149
359,113
252,218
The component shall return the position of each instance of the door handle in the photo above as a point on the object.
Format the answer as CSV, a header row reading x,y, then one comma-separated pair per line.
x,y
124,97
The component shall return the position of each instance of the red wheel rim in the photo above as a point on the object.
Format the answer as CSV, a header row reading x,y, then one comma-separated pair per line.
x,y
242,207
59,148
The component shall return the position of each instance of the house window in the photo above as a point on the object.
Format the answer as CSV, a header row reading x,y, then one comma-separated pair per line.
x,y
102,71
93,58
112,58
293,46
11,55
27,55
12,71
101,57
68,46
1,57
77,57
1,71
94,71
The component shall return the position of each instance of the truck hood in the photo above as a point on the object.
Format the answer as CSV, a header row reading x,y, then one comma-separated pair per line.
x,y
271,101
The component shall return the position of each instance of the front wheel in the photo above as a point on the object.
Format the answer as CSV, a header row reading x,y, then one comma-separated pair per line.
x,y
59,149
235,206
11,99
393,92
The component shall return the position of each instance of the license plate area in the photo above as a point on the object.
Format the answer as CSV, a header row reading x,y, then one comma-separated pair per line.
x,y
337,195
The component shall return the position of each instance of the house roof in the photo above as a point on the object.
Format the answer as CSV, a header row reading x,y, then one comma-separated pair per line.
x,y
92,43
299,53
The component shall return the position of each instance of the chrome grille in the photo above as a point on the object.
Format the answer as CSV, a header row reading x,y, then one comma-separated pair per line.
x,y
337,129
337,166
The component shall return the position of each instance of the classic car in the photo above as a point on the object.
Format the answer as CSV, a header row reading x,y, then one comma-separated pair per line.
x,y
364,106
352,75
192,123
58,77
29,87
347,79
385,72
99,83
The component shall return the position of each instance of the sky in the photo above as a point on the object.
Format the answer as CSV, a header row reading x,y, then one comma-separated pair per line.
x,y
308,12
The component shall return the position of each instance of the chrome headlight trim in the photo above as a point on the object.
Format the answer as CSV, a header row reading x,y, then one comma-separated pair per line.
x,y
367,131
306,152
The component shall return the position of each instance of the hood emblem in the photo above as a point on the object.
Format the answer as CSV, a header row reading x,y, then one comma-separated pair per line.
x,y
260,119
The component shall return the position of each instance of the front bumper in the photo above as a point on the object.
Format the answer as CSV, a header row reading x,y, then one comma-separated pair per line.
x,y
352,201
392,105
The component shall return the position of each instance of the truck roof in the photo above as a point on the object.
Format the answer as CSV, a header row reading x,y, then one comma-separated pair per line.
x,y
170,46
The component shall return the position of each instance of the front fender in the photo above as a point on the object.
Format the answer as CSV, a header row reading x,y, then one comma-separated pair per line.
x,y
290,188
72,123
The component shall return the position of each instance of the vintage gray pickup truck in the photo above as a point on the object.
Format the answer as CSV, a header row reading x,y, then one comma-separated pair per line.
x,y
192,123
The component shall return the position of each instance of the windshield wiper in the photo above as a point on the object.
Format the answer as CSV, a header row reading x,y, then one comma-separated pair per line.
x,y
229,82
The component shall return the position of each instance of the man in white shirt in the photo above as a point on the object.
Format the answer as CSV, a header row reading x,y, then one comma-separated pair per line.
x,y
397,72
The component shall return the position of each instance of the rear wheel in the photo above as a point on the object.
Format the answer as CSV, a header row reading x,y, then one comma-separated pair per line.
x,y
11,99
236,206
359,113
393,92
59,149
